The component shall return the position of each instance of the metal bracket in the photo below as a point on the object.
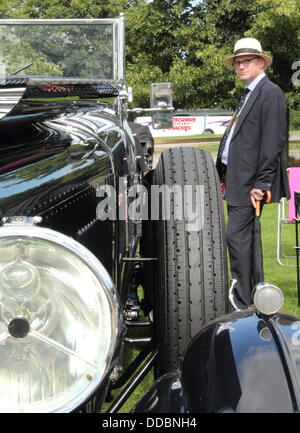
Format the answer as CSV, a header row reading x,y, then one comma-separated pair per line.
x,y
138,259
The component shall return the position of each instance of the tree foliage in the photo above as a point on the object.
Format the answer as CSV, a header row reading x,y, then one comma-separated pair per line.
x,y
279,29
185,41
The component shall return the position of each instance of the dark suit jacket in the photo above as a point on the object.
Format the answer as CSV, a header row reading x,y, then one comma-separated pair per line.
x,y
257,150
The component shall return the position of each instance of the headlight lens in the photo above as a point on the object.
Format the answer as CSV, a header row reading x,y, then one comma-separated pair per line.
x,y
58,321
268,299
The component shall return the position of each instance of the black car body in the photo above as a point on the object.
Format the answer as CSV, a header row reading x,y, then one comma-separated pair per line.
x,y
96,245
246,363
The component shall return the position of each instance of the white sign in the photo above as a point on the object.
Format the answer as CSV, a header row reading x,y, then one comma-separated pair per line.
x,y
189,125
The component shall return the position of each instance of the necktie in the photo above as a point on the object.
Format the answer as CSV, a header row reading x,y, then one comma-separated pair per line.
x,y
233,119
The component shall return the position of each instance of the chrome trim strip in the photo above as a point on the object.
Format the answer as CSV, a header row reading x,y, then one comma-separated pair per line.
x,y
55,21
121,49
230,295
9,98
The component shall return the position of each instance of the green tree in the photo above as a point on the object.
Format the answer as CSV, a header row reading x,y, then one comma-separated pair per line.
x,y
213,28
65,8
278,28
198,72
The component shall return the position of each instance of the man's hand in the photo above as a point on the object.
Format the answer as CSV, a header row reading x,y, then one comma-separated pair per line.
x,y
256,195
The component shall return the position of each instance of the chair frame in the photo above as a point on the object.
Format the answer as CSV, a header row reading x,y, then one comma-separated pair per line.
x,y
297,247
289,220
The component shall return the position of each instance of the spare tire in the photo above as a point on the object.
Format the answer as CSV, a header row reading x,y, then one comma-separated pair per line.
x,y
190,286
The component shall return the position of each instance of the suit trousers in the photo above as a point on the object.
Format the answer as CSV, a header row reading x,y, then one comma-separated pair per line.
x,y
240,229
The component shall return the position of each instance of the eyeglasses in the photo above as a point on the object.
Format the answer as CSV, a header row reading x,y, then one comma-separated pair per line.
x,y
245,62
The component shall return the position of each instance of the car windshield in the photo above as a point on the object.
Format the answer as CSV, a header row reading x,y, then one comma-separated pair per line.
x,y
81,49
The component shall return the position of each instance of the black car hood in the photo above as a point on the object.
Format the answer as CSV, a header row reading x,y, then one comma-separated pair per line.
x,y
244,363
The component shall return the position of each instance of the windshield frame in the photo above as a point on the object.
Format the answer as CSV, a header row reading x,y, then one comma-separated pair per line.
x,y
118,39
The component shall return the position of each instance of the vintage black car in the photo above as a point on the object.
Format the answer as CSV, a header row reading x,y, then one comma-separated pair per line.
x,y
96,245
244,362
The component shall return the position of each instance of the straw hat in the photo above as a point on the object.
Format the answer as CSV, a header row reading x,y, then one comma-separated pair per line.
x,y
247,46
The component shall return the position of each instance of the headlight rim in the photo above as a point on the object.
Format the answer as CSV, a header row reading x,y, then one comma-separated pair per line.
x,y
257,290
88,258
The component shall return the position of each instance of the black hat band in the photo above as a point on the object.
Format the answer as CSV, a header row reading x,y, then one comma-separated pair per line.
x,y
247,50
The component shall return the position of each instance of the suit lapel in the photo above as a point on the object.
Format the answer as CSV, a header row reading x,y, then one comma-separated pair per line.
x,y
252,98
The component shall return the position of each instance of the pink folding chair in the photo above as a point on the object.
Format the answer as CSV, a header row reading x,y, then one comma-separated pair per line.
x,y
294,183
297,247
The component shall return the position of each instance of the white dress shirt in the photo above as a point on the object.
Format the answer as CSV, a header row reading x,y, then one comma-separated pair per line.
x,y
251,86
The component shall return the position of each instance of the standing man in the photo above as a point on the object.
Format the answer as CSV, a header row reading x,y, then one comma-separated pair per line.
x,y
251,158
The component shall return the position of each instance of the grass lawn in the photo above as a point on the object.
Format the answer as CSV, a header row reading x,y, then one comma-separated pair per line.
x,y
202,136
188,137
212,147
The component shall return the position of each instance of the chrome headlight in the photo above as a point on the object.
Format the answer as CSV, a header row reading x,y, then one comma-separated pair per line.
x,y
58,321
268,299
